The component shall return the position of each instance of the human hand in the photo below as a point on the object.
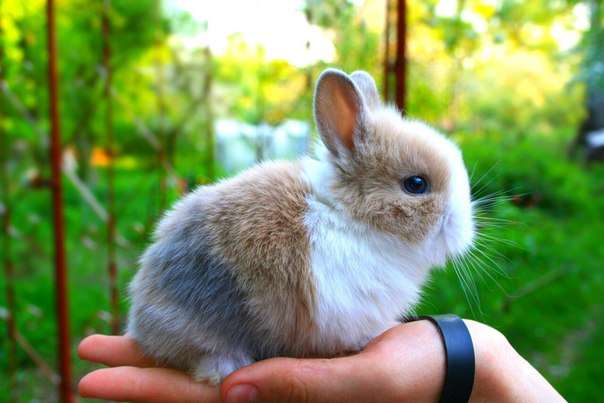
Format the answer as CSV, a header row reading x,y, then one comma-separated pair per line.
x,y
406,363
133,377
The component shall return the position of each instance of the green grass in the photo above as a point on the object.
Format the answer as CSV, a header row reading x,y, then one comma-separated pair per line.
x,y
545,295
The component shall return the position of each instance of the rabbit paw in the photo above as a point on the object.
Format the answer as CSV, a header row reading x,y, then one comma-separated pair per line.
x,y
213,368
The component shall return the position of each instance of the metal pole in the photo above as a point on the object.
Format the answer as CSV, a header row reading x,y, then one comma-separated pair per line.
x,y
161,112
62,304
387,69
6,235
401,56
111,219
207,101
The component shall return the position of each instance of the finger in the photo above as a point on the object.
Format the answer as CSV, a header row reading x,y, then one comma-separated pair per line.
x,y
149,385
282,380
113,351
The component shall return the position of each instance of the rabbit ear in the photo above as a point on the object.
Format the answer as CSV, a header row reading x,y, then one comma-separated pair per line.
x,y
366,84
340,111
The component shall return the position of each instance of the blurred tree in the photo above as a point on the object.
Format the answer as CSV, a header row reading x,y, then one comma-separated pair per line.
x,y
80,40
494,67
184,94
356,41
256,89
131,35
5,231
592,74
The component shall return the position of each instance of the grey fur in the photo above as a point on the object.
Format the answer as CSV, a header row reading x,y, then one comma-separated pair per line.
x,y
185,303
366,84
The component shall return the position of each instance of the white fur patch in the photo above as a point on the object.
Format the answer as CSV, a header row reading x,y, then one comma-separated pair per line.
x,y
213,368
365,279
458,225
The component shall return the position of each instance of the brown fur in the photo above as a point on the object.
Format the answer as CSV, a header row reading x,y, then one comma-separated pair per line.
x,y
374,149
257,221
370,181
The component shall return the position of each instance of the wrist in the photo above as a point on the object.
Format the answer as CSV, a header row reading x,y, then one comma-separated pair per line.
x,y
495,359
503,375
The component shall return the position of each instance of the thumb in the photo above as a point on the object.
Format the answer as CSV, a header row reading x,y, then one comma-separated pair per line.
x,y
288,380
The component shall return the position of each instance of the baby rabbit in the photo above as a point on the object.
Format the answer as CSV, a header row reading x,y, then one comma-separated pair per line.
x,y
307,258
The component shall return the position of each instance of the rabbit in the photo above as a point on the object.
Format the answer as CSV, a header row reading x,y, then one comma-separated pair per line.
x,y
311,258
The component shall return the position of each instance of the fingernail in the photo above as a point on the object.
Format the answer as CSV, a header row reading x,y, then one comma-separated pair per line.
x,y
242,394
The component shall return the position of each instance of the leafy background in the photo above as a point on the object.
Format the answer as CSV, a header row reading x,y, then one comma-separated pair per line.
x,y
507,79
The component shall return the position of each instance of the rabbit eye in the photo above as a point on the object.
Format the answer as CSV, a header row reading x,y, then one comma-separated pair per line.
x,y
415,185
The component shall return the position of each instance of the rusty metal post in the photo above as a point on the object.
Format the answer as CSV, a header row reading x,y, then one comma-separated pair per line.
x,y
161,112
111,218
207,105
387,67
400,66
62,302
6,233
